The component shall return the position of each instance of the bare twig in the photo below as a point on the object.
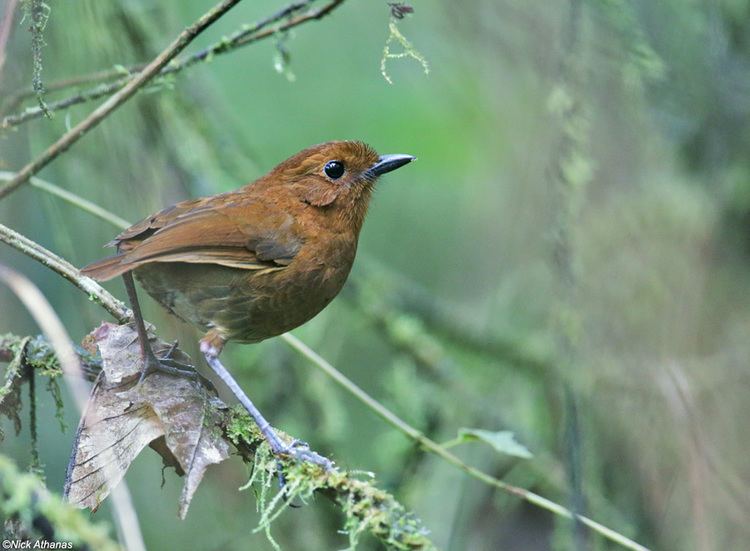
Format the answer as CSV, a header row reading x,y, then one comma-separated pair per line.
x,y
64,268
443,453
31,113
244,36
101,112
104,75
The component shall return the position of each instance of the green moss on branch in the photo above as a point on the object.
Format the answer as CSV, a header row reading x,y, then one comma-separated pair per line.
x,y
367,508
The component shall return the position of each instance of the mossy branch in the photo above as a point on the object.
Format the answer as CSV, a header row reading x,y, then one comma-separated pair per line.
x,y
37,13
367,508
247,34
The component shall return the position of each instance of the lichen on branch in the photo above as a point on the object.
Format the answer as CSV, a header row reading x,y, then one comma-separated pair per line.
x,y
408,50
37,12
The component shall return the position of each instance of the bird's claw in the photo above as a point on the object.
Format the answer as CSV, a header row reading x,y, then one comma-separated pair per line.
x,y
167,365
300,451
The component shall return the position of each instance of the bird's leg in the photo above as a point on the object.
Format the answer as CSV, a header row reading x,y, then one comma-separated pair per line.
x,y
151,363
298,450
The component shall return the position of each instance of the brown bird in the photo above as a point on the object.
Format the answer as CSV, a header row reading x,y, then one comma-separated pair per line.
x,y
255,262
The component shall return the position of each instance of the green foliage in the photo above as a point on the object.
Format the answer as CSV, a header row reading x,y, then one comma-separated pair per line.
x,y
25,500
503,441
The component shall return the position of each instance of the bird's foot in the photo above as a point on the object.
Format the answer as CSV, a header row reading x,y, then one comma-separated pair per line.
x,y
168,365
296,449
300,451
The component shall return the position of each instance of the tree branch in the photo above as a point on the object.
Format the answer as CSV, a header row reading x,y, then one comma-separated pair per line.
x,y
244,36
64,268
106,108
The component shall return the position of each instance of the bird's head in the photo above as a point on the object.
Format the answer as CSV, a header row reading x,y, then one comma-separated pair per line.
x,y
336,176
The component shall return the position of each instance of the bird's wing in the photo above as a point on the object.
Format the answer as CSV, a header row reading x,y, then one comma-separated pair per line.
x,y
146,227
240,233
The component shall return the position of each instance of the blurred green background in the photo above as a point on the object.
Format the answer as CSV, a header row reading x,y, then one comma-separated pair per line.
x,y
577,225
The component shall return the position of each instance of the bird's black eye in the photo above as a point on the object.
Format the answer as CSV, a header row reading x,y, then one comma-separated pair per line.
x,y
334,169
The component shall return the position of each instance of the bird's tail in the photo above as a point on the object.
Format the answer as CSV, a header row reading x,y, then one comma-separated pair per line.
x,y
107,268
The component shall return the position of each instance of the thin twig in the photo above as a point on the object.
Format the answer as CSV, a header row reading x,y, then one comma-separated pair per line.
x,y
119,72
101,112
244,36
107,300
31,113
15,99
64,268
72,198
441,452
62,84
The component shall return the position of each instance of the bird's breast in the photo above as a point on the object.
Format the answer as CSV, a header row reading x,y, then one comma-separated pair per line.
x,y
252,305
278,301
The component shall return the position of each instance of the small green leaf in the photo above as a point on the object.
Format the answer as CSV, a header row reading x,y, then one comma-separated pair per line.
x,y
122,70
503,441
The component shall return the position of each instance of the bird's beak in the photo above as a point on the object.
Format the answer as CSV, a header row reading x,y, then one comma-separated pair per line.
x,y
387,163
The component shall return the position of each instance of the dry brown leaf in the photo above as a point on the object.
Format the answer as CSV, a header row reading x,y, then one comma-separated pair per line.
x,y
177,415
